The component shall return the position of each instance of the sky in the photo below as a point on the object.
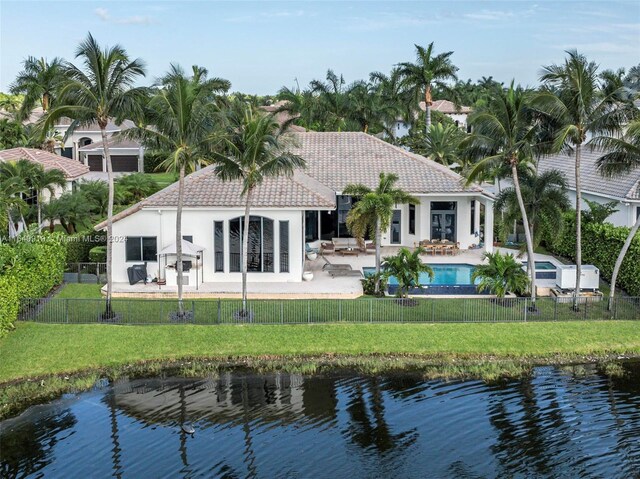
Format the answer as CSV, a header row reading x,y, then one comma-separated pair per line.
x,y
262,46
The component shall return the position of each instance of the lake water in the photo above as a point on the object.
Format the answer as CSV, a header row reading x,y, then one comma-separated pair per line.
x,y
561,422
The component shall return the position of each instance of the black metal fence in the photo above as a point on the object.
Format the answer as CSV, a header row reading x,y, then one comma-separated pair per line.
x,y
365,310
94,273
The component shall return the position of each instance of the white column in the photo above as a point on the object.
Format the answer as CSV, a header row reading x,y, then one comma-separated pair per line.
x,y
424,216
488,226
476,221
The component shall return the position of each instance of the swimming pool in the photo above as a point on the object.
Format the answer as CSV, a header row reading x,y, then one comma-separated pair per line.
x,y
447,279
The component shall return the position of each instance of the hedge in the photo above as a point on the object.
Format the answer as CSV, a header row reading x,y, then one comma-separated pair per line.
x,y
98,254
79,245
29,268
601,244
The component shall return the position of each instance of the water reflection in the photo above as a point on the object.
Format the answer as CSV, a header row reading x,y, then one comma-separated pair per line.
x,y
556,423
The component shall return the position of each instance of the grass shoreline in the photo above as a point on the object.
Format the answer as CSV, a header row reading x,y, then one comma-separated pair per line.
x,y
17,395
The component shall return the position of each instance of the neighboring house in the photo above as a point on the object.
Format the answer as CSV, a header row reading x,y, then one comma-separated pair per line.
x,y
130,158
624,189
72,170
306,208
458,115
126,155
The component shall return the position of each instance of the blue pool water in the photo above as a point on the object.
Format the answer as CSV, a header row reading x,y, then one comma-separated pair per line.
x,y
540,265
447,279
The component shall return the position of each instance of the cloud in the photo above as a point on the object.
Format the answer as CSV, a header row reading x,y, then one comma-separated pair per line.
x,y
105,16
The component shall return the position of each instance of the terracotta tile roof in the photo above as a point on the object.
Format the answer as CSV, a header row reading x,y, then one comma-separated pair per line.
x,y
334,160
71,168
337,159
446,106
117,142
621,187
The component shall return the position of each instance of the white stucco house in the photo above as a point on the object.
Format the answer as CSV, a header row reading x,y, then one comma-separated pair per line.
x,y
289,212
625,189
458,114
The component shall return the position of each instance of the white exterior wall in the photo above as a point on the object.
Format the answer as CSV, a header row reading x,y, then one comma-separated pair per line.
x,y
625,216
464,235
199,224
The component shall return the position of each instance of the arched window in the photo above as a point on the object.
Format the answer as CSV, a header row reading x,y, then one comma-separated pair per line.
x,y
260,250
84,141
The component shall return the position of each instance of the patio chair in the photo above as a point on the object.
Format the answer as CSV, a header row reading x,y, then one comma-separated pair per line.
x,y
309,249
336,266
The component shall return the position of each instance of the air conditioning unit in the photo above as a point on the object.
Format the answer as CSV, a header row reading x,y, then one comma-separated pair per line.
x,y
566,277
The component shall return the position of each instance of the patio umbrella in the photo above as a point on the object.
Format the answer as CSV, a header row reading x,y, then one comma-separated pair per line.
x,y
188,249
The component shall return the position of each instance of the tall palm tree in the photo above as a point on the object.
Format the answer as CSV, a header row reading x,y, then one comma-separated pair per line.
x,y
99,91
181,115
373,210
391,90
427,72
39,82
333,100
368,108
252,148
45,180
504,134
622,157
545,200
22,170
575,107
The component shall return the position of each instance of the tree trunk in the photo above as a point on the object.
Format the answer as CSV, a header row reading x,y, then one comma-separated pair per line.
x,y
39,210
378,236
179,240
427,110
52,226
618,265
245,248
527,232
576,293
45,102
109,221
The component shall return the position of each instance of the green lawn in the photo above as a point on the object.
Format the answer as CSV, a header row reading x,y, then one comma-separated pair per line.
x,y
40,349
163,179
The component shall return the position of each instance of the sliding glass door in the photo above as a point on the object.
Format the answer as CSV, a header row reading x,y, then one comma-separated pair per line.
x,y
443,220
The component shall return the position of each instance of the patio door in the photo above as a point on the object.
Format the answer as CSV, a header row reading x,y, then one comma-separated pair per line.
x,y
443,226
396,227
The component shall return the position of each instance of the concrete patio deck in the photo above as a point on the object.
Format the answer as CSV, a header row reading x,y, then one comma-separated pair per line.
x,y
322,286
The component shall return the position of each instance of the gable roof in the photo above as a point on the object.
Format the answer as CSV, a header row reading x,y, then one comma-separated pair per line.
x,y
622,187
334,160
71,168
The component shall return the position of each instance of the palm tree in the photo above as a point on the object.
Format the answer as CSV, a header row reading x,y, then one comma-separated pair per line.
x,y
622,157
48,180
22,170
406,267
504,135
39,82
100,91
372,212
443,144
545,200
252,148
389,87
501,274
333,100
11,188
575,107
182,117
368,108
427,72
135,187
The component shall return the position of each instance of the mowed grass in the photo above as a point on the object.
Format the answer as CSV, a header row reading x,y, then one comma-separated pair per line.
x,y
40,349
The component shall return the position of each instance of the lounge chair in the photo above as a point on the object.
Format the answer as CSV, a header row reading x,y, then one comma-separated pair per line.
x,y
345,272
336,267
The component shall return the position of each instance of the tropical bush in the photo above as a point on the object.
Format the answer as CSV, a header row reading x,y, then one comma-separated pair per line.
x,y
500,275
30,267
601,244
406,267
369,284
79,246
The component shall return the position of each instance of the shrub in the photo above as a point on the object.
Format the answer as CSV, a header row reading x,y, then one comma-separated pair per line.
x,y
98,254
79,245
601,244
369,284
29,268
500,275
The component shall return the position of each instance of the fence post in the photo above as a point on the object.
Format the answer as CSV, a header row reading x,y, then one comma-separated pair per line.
x,y
193,311
340,310
308,311
526,308
281,312
371,310
433,311
219,311
66,310
555,309
586,301
78,270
